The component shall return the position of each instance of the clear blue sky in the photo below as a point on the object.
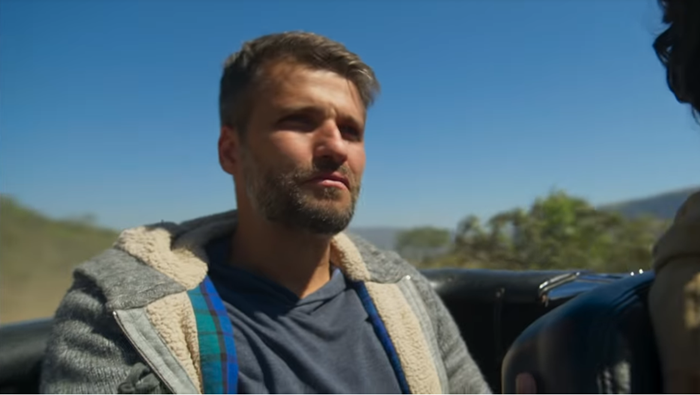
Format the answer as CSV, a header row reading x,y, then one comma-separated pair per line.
x,y
109,107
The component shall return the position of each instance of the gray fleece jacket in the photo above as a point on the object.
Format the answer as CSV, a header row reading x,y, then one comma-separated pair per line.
x,y
127,324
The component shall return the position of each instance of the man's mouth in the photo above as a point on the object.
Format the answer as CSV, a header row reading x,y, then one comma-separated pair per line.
x,y
335,179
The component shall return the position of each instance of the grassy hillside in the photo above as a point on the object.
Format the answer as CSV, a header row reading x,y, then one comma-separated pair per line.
x,y
37,255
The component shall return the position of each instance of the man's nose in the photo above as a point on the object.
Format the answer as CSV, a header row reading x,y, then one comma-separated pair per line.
x,y
330,143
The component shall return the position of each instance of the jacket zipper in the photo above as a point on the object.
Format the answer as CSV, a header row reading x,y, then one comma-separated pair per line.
x,y
145,358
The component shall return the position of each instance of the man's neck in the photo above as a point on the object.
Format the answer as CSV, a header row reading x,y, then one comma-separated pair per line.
x,y
299,261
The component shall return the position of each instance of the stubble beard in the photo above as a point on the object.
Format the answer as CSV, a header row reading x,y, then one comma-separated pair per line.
x,y
280,198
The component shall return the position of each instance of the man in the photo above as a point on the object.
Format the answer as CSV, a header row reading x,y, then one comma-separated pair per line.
x,y
272,297
675,295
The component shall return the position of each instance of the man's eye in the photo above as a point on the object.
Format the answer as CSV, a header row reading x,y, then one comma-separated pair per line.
x,y
350,131
297,122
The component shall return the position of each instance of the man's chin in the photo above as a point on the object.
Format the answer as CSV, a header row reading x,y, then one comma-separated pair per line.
x,y
331,205
326,217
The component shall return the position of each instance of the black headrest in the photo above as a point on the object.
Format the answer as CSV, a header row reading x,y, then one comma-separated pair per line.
x,y
600,342
22,347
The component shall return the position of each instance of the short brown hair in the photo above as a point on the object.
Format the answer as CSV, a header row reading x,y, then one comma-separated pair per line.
x,y
678,48
243,68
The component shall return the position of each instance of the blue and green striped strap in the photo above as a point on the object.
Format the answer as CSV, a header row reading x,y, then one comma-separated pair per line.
x,y
217,349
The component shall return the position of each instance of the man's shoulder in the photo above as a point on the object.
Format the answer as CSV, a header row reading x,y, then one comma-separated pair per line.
x,y
124,280
384,266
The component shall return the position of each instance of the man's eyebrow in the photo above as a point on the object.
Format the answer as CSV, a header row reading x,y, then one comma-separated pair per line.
x,y
292,108
311,109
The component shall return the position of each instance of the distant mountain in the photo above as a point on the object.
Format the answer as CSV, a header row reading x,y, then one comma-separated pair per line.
x,y
663,206
382,237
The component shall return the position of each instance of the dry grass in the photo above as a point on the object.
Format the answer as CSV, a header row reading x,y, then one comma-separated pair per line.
x,y
37,256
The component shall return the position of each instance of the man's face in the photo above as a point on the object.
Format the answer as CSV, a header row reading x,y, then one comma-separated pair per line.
x,y
302,155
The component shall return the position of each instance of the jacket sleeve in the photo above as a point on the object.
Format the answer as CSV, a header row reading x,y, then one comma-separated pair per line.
x,y
674,300
463,374
87,352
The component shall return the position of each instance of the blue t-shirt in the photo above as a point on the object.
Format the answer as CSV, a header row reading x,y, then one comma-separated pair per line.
x,y
323,343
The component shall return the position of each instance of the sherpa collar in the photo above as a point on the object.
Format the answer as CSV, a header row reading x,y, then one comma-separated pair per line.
x,y
178,250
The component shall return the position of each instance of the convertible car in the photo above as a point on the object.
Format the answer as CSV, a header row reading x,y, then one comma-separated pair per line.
x,y
575,331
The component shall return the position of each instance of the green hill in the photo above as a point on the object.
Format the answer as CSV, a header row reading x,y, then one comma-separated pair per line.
x,y
37,255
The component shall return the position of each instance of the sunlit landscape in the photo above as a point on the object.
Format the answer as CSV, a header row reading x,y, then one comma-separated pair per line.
x,y
38,253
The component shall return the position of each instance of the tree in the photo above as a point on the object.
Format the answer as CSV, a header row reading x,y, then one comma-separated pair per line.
x,y
556,232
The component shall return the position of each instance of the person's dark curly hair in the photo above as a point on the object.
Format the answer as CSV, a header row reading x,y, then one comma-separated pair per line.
x,y
678,48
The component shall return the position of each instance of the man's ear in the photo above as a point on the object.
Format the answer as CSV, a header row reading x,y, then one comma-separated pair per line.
x,y
229,150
